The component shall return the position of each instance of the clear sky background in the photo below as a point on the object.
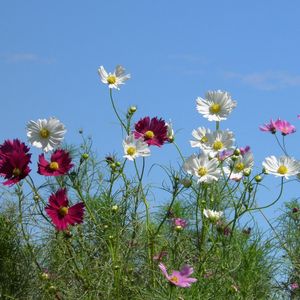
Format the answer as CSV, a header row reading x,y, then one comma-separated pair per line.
x,y
174,50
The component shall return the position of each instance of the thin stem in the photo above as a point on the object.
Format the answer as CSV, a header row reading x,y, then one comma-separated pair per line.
x,y
179,151
279,144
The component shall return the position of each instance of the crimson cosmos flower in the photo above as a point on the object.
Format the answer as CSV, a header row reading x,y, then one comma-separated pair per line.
x,y
14,161
60,164
154,131
61,214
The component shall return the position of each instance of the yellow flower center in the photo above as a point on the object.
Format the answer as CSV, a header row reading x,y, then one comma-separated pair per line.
x,y
131,151
63,211
204,139
239,167
215,108
149,134
174,279
44,133
217,145
282,170
16,172
111,79
54,166
202,171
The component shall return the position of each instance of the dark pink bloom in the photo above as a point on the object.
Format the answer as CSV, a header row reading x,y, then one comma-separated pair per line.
x,y
14,161
59,164
154,131
284,127
180,222
244,150
294,286
225,154
271,127
179,278
61,214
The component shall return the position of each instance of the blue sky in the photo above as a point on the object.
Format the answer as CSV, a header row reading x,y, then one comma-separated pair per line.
x,y
175,51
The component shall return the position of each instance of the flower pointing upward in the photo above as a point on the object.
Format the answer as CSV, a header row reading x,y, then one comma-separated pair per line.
x,y
113,80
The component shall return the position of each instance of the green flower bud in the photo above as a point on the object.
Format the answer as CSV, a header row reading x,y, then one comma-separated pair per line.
x,y
258,178
85,156
237,152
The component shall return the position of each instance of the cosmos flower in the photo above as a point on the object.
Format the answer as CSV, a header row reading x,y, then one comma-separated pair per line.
x,y
294,286
179,223
179,278
14,161
218,141
170,132
285,127
154,131
135,147
45,134
212,215
269,127
113,80
217,105
202,167
283,167
61,214
200,135
59,164
242,165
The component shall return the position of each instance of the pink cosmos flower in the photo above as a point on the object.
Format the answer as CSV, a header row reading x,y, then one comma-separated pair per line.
x,y
244,150
179,278
271,127
60,164
14,161
294,286
154,131
224,154
60,213
180,222
284,127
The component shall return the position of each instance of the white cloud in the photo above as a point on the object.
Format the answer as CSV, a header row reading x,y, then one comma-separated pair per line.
x,y
269,80
24,57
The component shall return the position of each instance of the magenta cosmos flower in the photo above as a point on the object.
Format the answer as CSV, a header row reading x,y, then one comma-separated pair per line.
x,y
285,127
154,131
59,164
271,127
14,161
61,214
179,278
181,223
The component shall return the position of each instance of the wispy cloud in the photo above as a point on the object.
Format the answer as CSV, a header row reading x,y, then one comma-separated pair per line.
x,y
24,57
189,58
270,80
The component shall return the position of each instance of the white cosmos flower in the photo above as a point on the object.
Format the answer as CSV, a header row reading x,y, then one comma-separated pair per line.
x,y
236,169
217,105
217,141
212,215
46,134
113,79
200,134
283,167
135,147
202,167
170,132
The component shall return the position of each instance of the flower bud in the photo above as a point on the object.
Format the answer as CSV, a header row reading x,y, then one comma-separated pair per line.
x,y
114,208
178,228
36,197
84,156
186,182
258,178
247,172
132,109
237,152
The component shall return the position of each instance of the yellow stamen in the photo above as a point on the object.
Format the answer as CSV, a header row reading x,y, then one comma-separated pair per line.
x,y
217,145
44,133
215,108
282,170
63,211
239,167
131,151
202,171
111,79
174,279
16,172
54,166
204,139
149,134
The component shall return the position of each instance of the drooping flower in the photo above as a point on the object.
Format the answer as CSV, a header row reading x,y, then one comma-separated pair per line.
x,y
285,127
200,135
14,161
217,105
154,131
170,132
113,80
236,169
269,127
46,134
283,167
244,150
218,141
61,214
202,167
59,164
179,278
135,147
212,215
